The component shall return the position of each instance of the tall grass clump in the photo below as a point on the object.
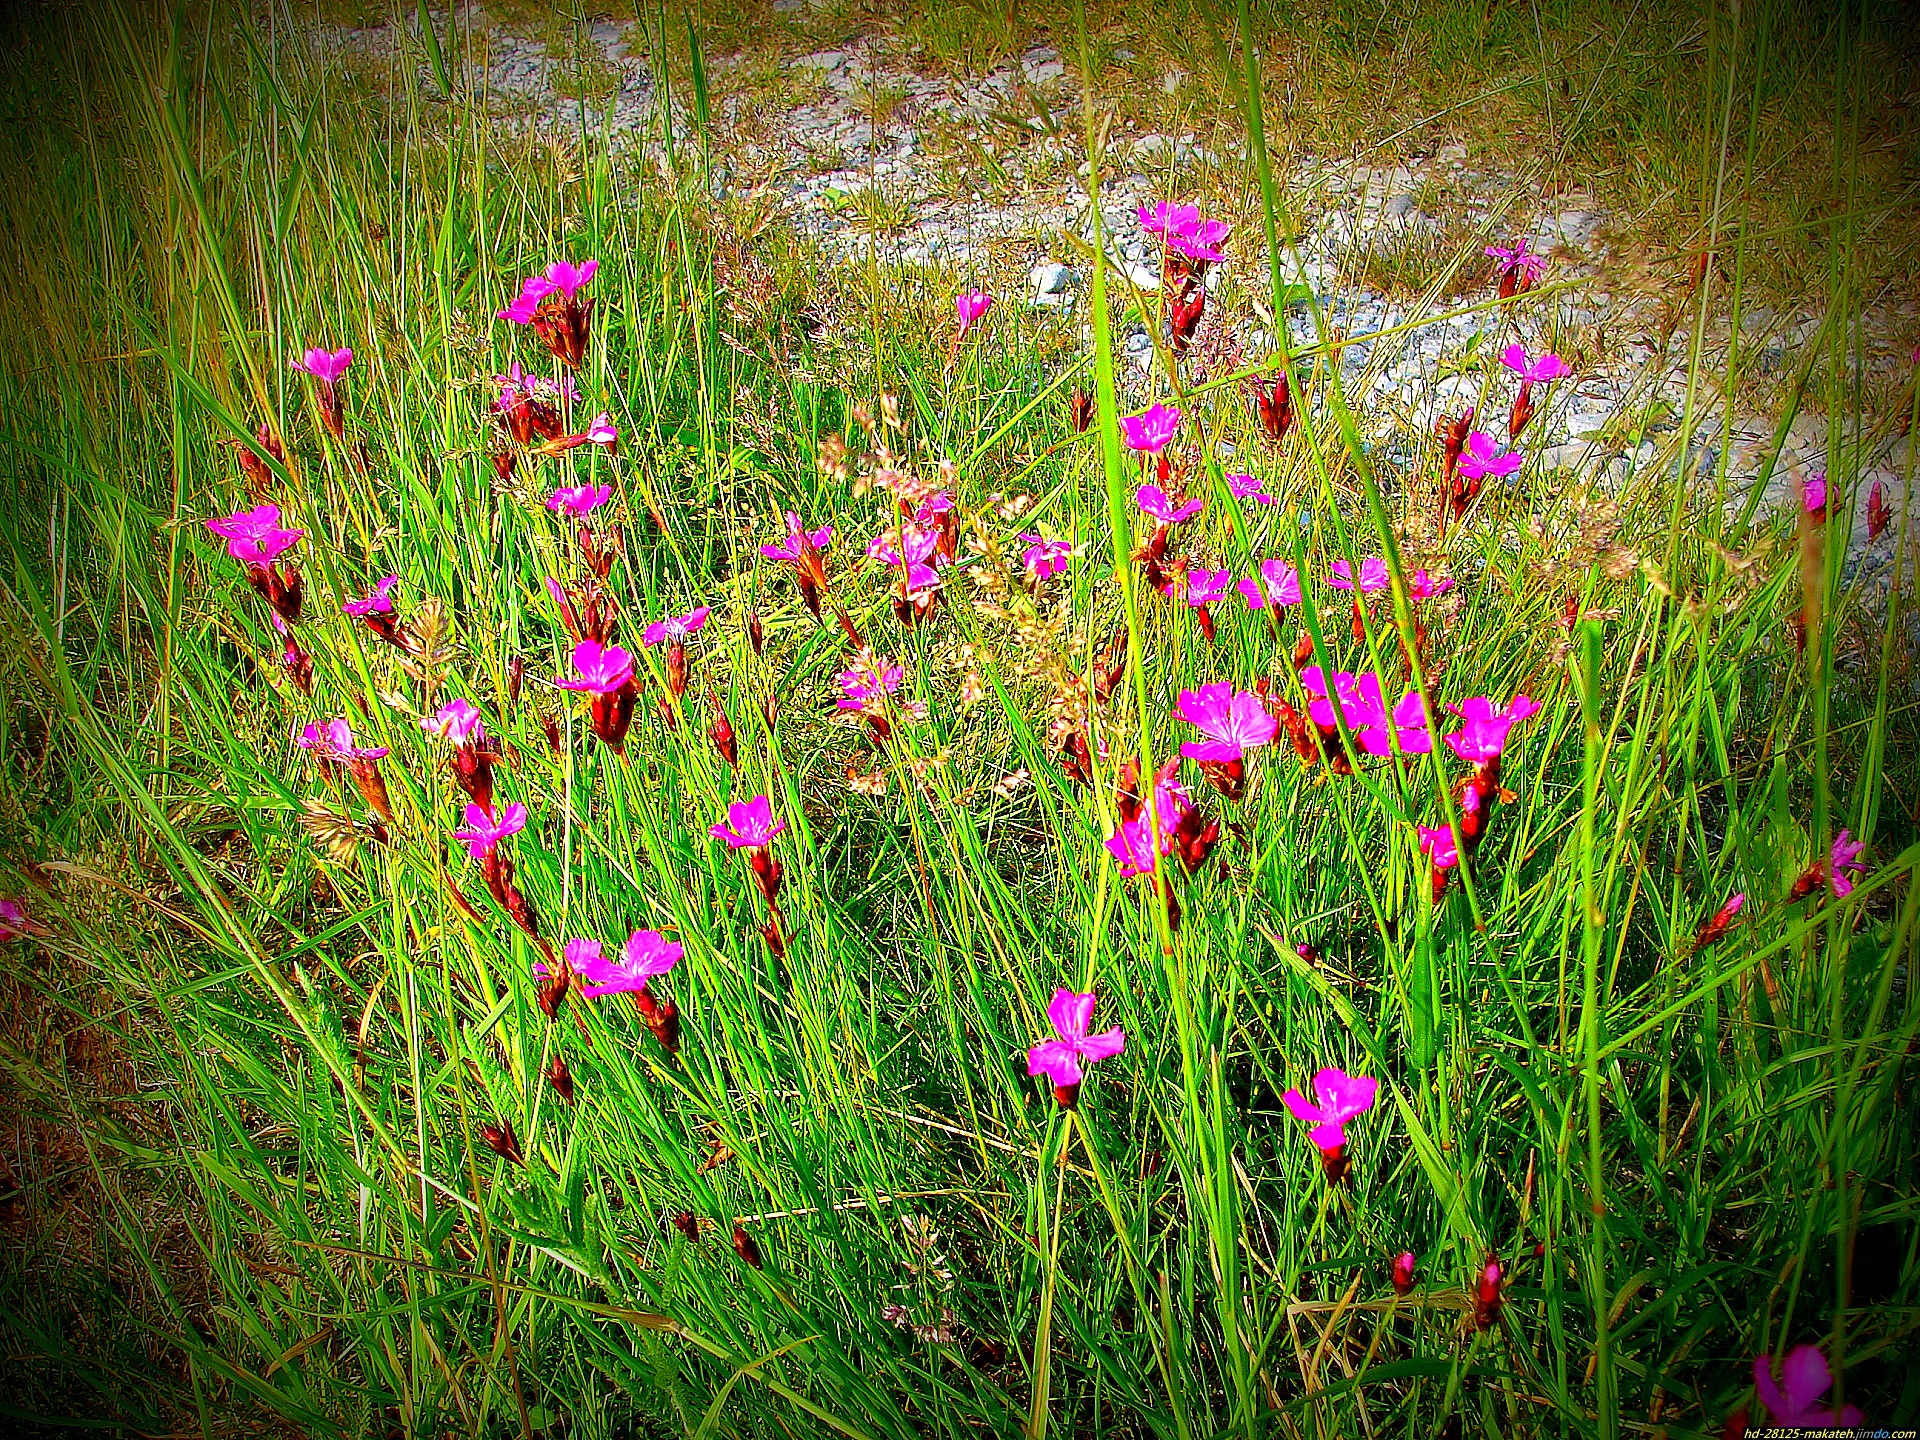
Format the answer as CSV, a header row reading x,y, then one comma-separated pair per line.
x,y
619,829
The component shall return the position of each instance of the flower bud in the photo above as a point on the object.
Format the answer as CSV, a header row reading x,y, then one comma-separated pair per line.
x,y
560,1077
1403,1272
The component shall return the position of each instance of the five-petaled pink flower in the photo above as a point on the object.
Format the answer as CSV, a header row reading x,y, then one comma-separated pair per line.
x,y
1547,368
867,683
800,541
326,366
970,305
1045,557
256,537
749,825
577,500
1374,575
458,721
599,669
1132,845
483,833
1203,587
1436,843
1152,428
1063,1060
1201,241
1277,584
1342,1097
1157,503
567,276
1519,262
646,954
1483,458
335,739
1234,721
1245,487
1804,1378
1169,218
1844,857
676,627
378,601
1423,586
1484,734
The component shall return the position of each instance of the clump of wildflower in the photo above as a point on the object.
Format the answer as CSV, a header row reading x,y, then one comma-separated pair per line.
x,y
1804,1378
1436,843
257,540
577,501
805,550
1519,268
600,431
550,303
524,405
15,922
482,836
1063,1059
1480,741
458,722
335,740
1274,407
1276,584
1813,497
588,611
1363,706
606,673
1245,487
1341,1098
327,367
1157,503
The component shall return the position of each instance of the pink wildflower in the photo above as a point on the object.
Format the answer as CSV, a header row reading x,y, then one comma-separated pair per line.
x,y
1813,495
867,683
1374,575
1549,367
1063,1060
1342,1097
749,825
1157,503
575,501
527,303
565,276
1201,241
1804,1378
800,541
1483,458
1423,586
1169,218
1203,587
599,669
646,955
1403,1266
1363,706
1045,557
1245,487
1233,721
1152,428
326,366
676,627
483,832
1278,583
1132,846
1484,735
379,601
1844,857
458,721
970,305
15,922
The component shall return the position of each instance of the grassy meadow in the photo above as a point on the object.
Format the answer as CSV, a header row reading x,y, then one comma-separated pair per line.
x,y
300,1141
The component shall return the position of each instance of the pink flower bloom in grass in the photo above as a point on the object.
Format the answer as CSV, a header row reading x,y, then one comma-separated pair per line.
x,y
574,501
1234,721
457,721
1203,587
676,627
1519,267
646,955
599,669
483,832
800,541
378,602
1374,575
1045,557
532,291
867,683
1436,843
916,546
1245,487
1152,428
1804,1378
749,825
1484,735
1483,458
970,305
1156,502
1549,367
15,922
256,537
1169,218
1063,1060
1423,586
1132,846
1342,1097
326,366
1363,706
602,431
1813,495
566,276
1844,857
335,740
1201,241
1403,1267
1278,584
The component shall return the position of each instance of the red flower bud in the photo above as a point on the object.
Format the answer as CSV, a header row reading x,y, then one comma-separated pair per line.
x,y
1403,1273
560,1077
503,1142
744,1247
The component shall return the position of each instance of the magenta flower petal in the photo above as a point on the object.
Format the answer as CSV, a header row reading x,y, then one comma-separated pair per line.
x,y
1157,503
578,500
564,275
1152,428
326,366
1278,583
970,305
1057,1060
749,824
599,670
